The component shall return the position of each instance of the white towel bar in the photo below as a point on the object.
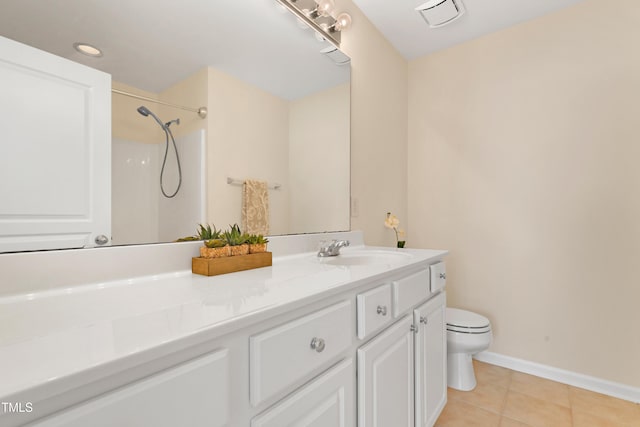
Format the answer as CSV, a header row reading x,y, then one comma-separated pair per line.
x,y
234,181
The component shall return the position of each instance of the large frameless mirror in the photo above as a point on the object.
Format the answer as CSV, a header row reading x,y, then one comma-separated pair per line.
x,y
277,110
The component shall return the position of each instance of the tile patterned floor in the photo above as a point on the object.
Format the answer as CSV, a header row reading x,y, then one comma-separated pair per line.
x,y
505,398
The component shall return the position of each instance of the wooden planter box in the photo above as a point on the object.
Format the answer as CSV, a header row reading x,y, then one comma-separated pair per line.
x,y
230,264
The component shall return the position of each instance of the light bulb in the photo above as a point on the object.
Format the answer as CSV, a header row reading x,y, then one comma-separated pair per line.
x,y
343,21
325,7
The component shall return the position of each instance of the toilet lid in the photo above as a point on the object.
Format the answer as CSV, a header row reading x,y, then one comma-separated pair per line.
x,y
466,319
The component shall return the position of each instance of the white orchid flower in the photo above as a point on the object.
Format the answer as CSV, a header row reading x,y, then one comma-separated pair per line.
x,y
391,221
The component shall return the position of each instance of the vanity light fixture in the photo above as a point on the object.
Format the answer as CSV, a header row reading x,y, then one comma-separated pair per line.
x,y
87,49
323,8
319,15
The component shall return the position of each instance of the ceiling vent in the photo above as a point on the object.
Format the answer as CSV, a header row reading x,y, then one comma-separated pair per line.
x,y
438,13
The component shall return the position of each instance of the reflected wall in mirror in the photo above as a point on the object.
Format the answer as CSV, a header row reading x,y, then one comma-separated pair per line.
x,y
278,110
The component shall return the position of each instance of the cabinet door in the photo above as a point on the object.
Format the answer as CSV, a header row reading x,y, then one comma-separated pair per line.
x,y
55,154
194,394
385,378
327,401
431,360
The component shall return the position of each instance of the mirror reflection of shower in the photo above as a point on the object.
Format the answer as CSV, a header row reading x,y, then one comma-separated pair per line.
x,y
167,131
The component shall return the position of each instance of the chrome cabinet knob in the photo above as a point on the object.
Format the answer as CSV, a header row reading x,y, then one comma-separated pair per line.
x,y
382,309
101,240
317,344
443,276
423,320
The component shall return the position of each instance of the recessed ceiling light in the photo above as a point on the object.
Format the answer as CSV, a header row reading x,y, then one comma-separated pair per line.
x,y
87,49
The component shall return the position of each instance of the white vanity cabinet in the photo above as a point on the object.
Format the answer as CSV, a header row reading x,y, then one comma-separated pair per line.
x,y
402,373
370,354
194,394
409,291
374,310
285,355
385,378
430,360
327,401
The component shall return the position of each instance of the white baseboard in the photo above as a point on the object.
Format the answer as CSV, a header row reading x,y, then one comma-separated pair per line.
x,y
575,379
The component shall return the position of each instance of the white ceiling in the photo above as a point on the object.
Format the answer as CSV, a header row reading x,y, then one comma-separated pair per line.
x,y
153,44
411,36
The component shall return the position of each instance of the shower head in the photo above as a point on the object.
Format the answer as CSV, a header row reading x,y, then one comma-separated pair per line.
x,y
146,112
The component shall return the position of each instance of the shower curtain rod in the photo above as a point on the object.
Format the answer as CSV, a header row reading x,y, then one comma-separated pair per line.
x,y
202,111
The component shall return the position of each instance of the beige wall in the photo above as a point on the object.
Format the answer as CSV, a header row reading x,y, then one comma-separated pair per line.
x,y
126,123
190,92
378,128
248,138
319,161
378,135
129,125
523,161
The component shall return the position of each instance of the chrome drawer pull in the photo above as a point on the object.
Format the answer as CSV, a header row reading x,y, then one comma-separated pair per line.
x,y
382,309
443,276
317,344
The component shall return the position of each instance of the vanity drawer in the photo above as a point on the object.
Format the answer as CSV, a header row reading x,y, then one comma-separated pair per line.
x,y
283,356
328,400
409,291
438,276
195,393
374,310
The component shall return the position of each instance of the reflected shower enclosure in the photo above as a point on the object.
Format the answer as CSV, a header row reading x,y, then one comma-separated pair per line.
x,y
158,192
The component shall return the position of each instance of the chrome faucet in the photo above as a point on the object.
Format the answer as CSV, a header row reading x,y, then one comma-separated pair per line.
x,y
333,248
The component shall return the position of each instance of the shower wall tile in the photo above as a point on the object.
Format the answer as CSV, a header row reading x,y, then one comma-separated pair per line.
x,y
179,216
134,208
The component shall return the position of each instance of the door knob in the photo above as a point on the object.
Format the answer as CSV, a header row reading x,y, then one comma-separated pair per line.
x,y
101,240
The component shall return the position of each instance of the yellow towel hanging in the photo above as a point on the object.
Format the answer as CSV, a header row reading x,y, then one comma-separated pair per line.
x,y
255,207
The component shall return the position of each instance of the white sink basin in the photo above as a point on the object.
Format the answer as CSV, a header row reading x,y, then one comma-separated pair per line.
x,y
367,257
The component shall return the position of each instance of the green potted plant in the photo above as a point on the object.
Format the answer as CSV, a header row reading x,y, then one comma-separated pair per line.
x,y
215,248
203,232
257,243
236,240
207,232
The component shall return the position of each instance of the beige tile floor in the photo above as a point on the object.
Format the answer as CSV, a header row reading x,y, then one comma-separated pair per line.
x,y
506,398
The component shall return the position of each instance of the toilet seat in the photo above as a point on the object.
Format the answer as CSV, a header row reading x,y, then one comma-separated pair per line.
x,y
466,322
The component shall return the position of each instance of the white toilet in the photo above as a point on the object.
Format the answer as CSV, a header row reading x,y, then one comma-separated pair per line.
x,y
467,334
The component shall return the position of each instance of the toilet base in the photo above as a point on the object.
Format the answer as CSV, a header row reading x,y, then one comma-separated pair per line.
x,y
460,374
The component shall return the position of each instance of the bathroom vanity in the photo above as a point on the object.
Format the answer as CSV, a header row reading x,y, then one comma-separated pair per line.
x,y
353,340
